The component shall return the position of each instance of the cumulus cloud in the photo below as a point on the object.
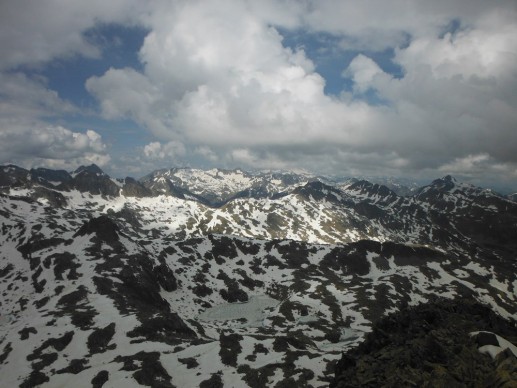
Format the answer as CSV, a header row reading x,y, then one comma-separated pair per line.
x,y
152,156
482,169
169,151
454,98
35,144
32,34
27,139
249,91
23,96
378,25
252,101
126,93
363,71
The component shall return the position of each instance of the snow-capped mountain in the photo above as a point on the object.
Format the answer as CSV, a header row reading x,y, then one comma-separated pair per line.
x,y
400,186
109,282
216,187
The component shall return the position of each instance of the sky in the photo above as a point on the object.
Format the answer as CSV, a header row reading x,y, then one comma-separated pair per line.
x,y
409,88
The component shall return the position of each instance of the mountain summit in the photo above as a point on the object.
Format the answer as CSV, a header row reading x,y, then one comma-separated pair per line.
x,y
91,169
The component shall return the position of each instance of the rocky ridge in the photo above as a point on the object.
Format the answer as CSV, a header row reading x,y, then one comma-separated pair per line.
x,y
431,345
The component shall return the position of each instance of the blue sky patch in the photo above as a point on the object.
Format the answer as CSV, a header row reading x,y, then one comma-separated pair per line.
x,y
119,46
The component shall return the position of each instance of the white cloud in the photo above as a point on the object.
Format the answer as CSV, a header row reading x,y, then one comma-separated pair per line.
x,y
34,32
123,92
36,144
153,156
217,77
482,169
31,34
27,139
250,90
169,151
22,96
377,25
207,154
465,164
363,71
469,53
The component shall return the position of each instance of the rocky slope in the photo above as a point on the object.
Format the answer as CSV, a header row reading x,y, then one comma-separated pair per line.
x,y
107,282
435,344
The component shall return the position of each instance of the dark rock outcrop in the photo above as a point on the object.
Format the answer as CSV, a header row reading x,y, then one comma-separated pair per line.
x,y
93,180
13,176
428,346
48,177
103,227
133,188
54,198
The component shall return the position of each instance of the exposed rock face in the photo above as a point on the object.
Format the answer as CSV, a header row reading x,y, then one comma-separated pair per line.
x,y
506,371
103,227
133,188
429,346
50,177
13,176
54,198
93,180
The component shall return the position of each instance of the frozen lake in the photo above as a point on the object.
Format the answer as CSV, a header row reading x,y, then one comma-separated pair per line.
x,y
254,311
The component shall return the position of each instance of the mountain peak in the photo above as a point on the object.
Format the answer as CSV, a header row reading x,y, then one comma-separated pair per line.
x,y
50,175
450,178
370,188
92,169
447,183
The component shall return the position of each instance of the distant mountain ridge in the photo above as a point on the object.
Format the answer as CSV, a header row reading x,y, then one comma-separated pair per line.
x,y
217,186
446,213
213,187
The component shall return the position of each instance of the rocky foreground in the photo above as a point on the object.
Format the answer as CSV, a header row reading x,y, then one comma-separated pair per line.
x,y
431,345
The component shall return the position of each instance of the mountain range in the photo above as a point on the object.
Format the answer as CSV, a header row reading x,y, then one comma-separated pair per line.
x,y
190,278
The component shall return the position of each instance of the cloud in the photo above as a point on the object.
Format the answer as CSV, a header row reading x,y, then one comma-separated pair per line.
x,y
482,169
125,93
35,32
35,144
24,96
141,160
251,90
169,151
253,101
469,53
28,139
363,71
466,164
378,25
218,83
456,96
31,35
